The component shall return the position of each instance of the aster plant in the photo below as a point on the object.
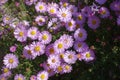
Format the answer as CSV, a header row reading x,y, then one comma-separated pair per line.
x,y
51,37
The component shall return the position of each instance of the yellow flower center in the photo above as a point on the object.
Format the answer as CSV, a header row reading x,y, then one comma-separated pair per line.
x,y
54,24
67,67
19,78
79,45
37,48
94,22
33,32
79,17
42,76
61,55
40,20
88,55
52,11
60,45
11,61
80,35
5,70
51,30
64,14
51,50
21,33
49,70
40,7
53,60
7,18
64,4
59,68
70,56
29,52
103,12
44,37
48,65
70,24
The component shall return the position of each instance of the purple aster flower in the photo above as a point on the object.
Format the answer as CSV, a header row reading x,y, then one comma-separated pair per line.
x,y
93,22
70,57
30,2
50,50
6,71
64,4
104,12
53,61
13,48
73,9
80,46
54,24
118,20
37,48
88,55
27,52
2,77
10,61
41,7
52,8
46,37
19,77
68,40
70,25
64,14
42,75
33,33
61,55
40,20
80,34
33,77
67,68
101,1
115,5
87,11
7,19
59,69
20,34
59,46
80,18
48,69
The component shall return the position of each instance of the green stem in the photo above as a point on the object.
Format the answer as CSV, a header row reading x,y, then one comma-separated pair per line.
x,y
23,8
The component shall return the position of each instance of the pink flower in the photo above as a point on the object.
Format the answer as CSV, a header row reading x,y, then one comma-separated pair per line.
x,y
13,48
41,65
33,77
17,4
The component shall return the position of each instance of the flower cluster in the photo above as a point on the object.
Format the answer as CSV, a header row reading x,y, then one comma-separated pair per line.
x,y
62,52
